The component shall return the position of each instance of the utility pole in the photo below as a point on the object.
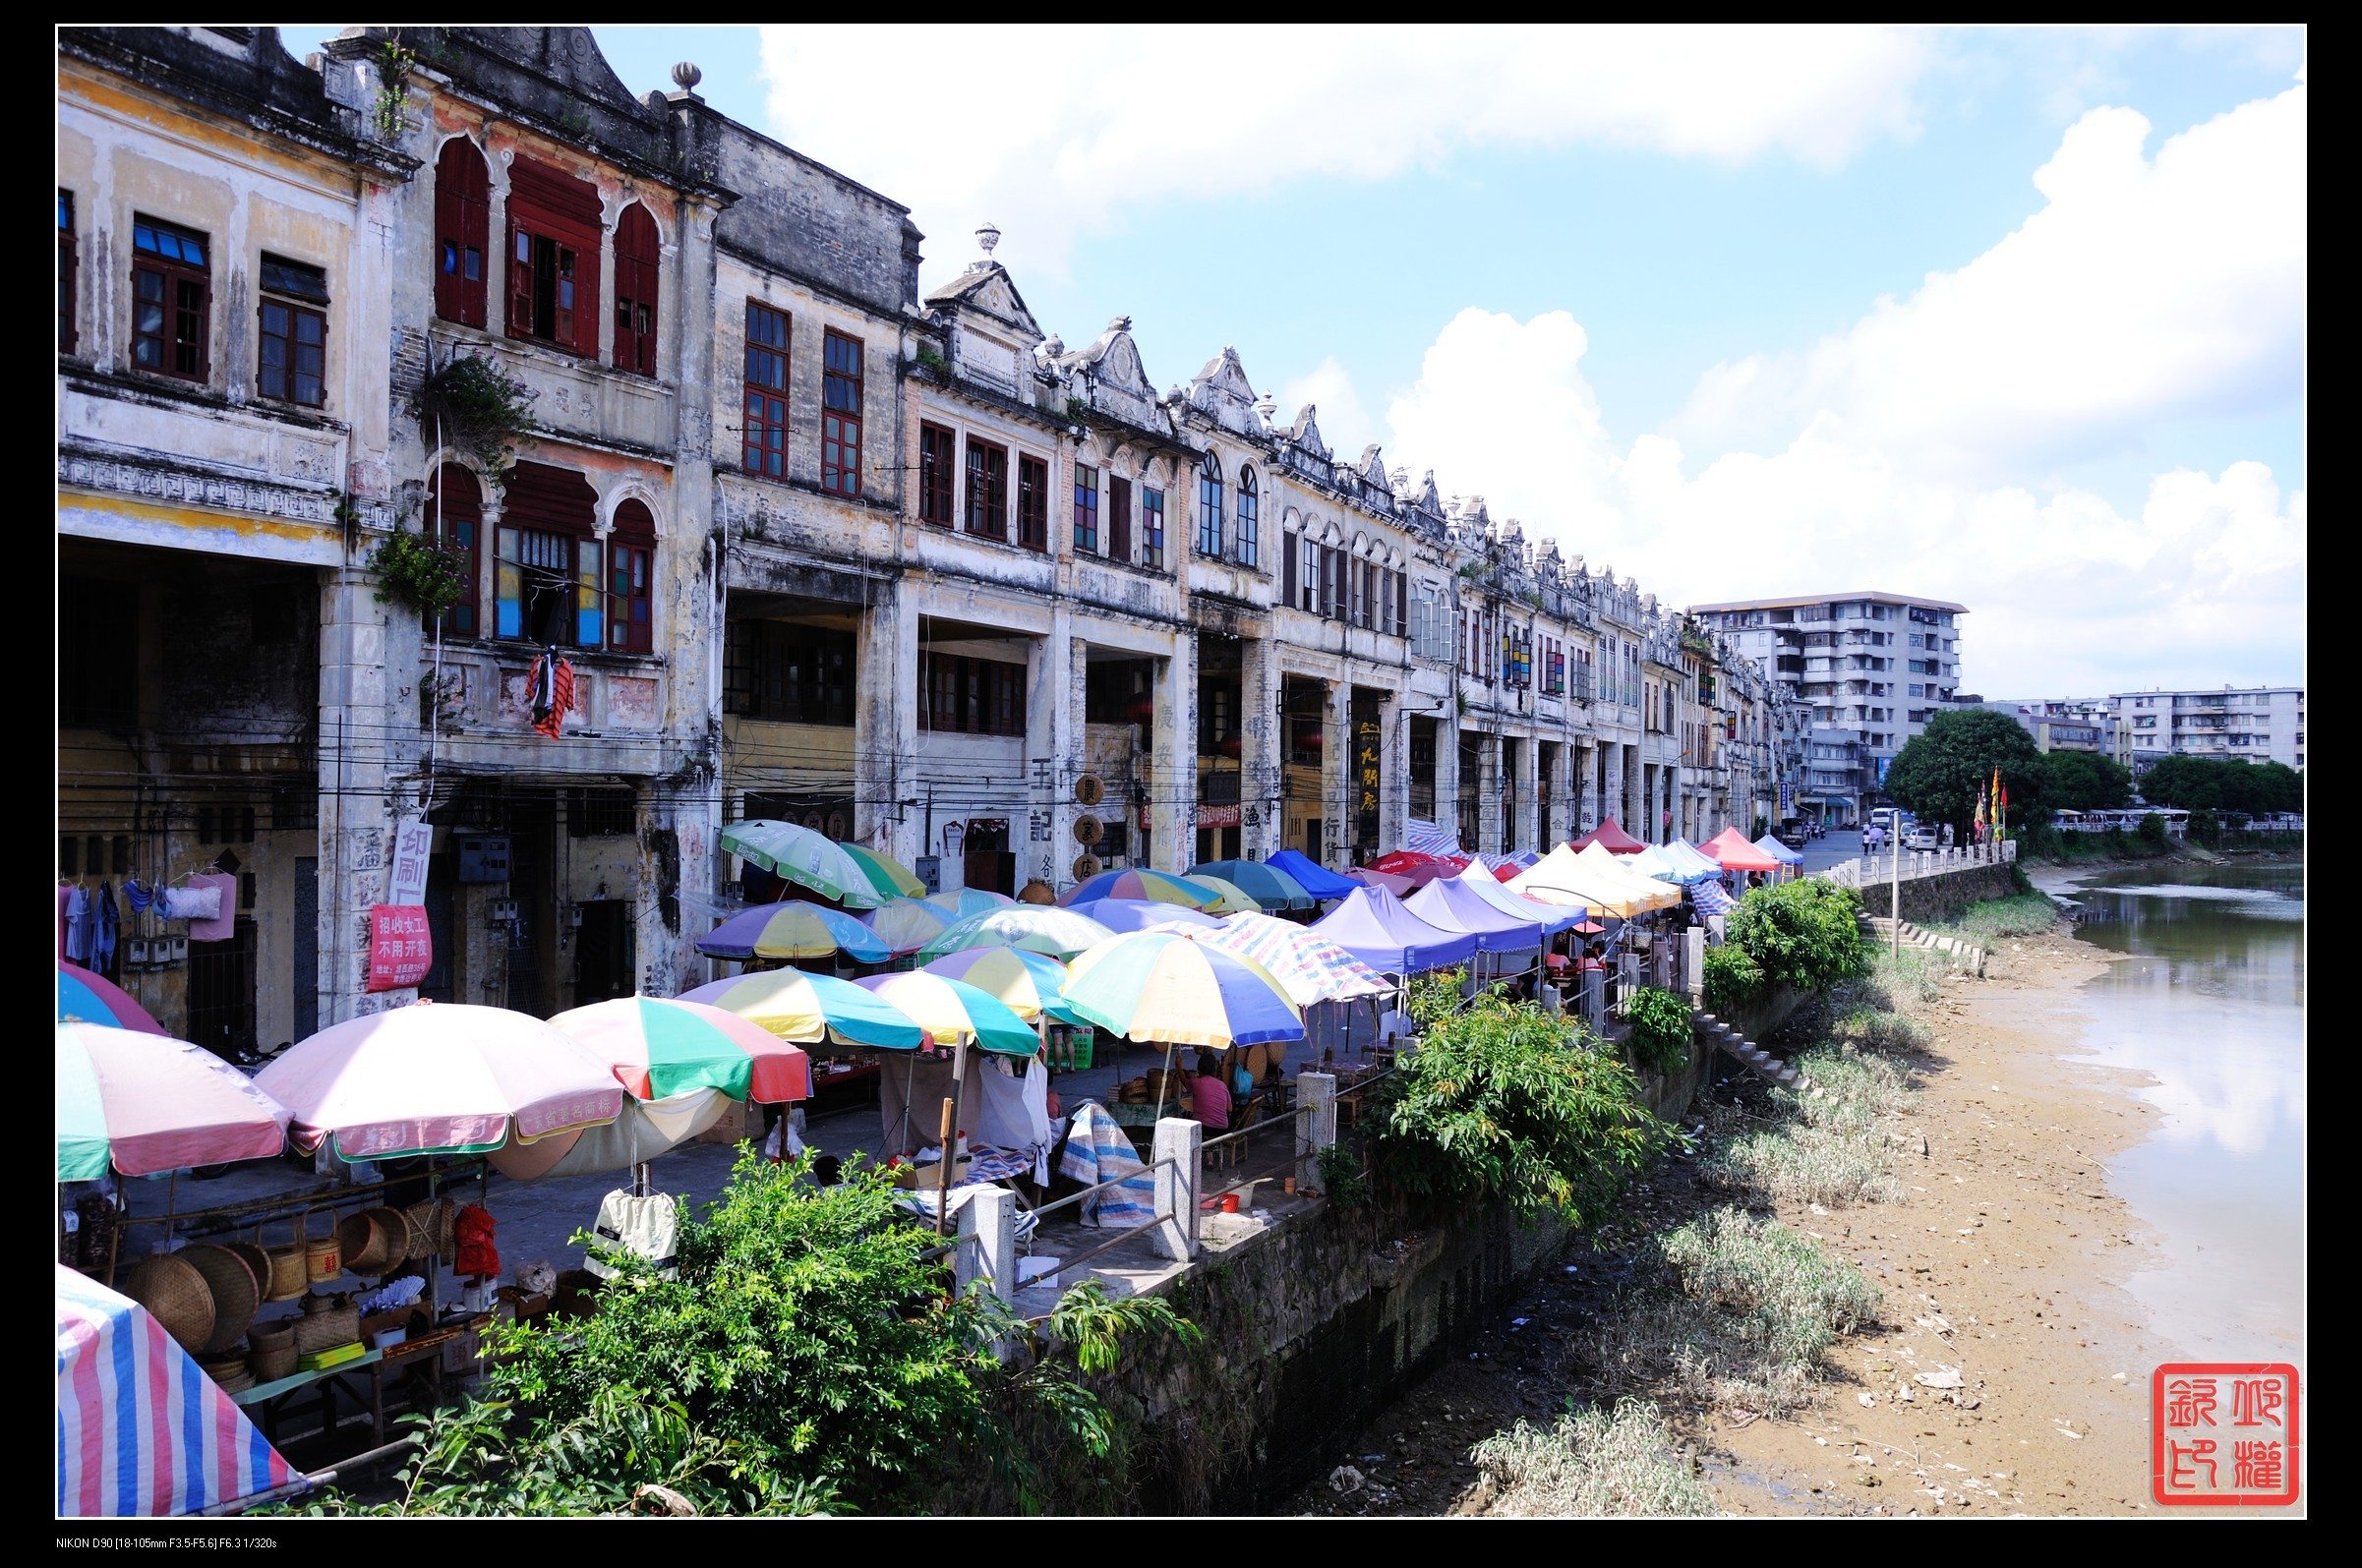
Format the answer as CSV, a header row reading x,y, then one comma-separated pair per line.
x,y
1895,905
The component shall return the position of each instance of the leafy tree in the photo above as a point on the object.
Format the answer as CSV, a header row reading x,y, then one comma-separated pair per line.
x,y
2085,781
2185,781
2223,784
1660,1029
1733,980
1936,775
1806,933
2204,824
1507,1101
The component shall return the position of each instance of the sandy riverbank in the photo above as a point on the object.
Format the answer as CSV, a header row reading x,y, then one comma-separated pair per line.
x,y
2003,1259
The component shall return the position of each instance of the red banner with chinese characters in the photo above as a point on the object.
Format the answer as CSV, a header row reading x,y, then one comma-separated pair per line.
x,y
400,950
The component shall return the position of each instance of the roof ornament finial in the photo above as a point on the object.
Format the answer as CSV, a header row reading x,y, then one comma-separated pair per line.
x,y
1267,405
686,76
987,237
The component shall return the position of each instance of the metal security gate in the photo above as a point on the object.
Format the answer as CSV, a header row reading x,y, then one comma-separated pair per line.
x,y
306,990
221,992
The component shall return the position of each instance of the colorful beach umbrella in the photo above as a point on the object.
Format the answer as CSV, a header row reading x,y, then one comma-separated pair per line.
x,y
1268,886
793,930
1309,968
1232,899
437,1078
1029,984
1038,927
807,858
955,1012
1157,985
890,877
141,1103
908,924
658,1047
808,1008
964,901
1121,915
88,997
1138,881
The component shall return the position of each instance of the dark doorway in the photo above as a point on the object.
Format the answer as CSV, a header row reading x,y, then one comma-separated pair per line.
x,y
221,992
532,942
1312,840
603,952
440,983
306,980
984,858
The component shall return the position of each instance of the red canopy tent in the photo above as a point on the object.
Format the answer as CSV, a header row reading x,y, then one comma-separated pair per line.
x,y
1732,850
1416,868
1385,882
1611,838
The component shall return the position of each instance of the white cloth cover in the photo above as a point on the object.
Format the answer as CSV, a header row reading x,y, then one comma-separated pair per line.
x,y
646,1226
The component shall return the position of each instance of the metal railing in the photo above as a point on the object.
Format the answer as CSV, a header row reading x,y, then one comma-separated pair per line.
x,y
1869,871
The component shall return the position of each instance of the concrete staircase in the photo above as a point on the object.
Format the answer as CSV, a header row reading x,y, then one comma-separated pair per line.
x,y
1964,956
1758,1060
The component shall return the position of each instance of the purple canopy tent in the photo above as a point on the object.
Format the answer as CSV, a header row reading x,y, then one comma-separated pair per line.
x,y
1375,927
1451,905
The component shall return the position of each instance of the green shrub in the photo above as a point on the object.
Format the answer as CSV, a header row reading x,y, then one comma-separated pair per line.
x,y
1594,1464
2151,831
2022,914
1505,1101
415,570
1660,1029
1733,982
1806,933
1431,998
473,405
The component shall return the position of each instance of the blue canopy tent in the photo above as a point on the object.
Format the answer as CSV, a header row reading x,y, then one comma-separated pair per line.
x,y
1452,904
1312,876
1779,851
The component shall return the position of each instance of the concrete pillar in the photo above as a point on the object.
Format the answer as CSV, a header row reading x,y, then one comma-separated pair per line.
x,y
1394,767
1530,775
990,1215
1447,768
1338,794
356,820
1316,1124
1262,750
1178,1155
1172,779
885,726
1693,965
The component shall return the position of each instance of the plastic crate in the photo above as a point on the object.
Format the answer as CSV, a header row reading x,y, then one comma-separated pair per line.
x,y
1073,1054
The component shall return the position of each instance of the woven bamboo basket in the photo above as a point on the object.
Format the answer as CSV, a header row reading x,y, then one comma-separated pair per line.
x,y
289,1276
325,1324
175,1294
277,1334
429,1226
258,1263
236,1293
372,1240
274,1361
323,1256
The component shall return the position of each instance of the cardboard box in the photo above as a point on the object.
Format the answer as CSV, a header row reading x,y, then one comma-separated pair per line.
x,y
928,1176
737,1126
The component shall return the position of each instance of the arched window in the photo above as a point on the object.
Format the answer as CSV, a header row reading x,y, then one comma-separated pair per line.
x,y
1209,505
546,578
455,519
1249,508
636,291
631,575
462,232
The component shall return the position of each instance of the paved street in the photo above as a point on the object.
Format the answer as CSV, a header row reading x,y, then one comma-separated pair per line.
x,y
1838,844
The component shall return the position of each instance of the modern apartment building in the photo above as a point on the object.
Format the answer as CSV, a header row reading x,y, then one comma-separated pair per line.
x,y
1873,666
2063,723
2254,724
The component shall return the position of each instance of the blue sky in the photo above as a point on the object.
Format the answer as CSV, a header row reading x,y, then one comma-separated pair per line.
x,y
1627,284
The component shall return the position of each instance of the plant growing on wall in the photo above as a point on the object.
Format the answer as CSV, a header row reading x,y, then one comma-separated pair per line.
x,y
390,111
477,408
412,569
931,359
1732,980
1660,1038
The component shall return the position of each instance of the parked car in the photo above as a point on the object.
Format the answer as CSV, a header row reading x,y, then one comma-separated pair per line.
x,y
1794,835
1919,838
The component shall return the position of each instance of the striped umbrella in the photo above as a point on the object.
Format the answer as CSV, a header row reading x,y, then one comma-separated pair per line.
x,y
144,1103
810,1008
908,924
1268,886
1037,927
964,901
1157,985
888,876
1138,881
1121,915
1029,984
955,1012
437,1078
793,930
1232,898
1309,967
807,858
94,999
658,1047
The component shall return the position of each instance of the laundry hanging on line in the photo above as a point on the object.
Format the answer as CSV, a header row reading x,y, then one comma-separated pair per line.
x,y
550,692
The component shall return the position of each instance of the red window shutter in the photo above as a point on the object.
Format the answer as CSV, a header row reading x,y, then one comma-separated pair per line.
x,y
1287,569
520,280
463,233
586,335
448,273
636,248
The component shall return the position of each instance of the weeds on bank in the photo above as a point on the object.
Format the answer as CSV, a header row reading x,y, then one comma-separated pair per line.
x,y
1623,1462
2023,915
1743,1310
1827,1148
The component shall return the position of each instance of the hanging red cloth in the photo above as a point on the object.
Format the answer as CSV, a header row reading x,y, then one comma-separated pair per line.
x,y
475,1258
551,692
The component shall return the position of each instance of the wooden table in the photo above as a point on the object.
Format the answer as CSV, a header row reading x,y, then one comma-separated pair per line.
x,y
266,1400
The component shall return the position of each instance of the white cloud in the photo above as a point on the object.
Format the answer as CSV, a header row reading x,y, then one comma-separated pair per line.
x,y
1344,424
1892,455
2143,289
1054,132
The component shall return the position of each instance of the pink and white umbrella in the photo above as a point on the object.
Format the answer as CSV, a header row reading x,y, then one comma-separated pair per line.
x,y
437,1078
145,1103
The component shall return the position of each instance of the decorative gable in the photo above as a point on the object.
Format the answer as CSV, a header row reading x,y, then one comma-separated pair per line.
x,y
1222,393
1306,432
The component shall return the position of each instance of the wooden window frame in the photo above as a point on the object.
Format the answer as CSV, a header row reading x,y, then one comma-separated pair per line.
x,y
1249,531
462,231
548,207
639,247
1033,501
959,695
763,402
1151,527
1086,509
986,493
1209,506
938,463
455,519
1119,518
631,580
841,413
295,310
177,306
783,672
1308,578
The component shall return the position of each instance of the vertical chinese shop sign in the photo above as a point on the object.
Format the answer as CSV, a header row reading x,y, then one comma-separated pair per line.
x,y
400,950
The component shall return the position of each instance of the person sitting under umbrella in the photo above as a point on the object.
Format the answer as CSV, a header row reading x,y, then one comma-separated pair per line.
x,y
1209,1093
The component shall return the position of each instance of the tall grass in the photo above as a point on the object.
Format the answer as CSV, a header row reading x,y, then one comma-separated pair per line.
x,y
1594,1464
2023,915
1824,1148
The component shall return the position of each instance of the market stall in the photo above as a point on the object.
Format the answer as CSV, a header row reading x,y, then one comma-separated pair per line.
x,y
1310,875
1270,886
1611,838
